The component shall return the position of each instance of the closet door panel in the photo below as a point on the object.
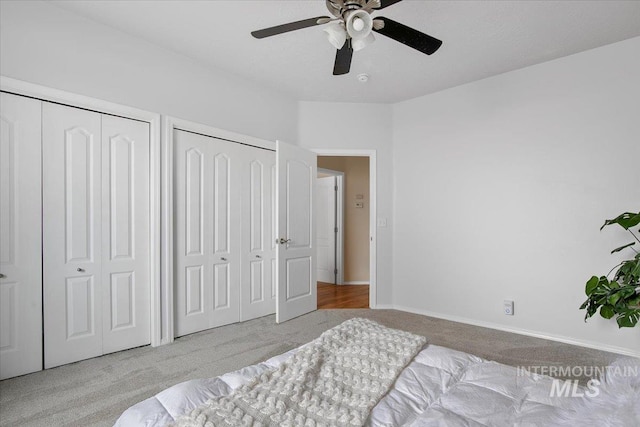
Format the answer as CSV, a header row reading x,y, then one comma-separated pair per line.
x,y
125,230
258,291
20,236
192,269
71,234
225,256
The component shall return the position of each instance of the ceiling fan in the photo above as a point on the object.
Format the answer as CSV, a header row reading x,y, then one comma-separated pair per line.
x,y
351,29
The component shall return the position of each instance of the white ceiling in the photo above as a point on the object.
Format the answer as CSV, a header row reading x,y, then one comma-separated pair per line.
x,y
481,39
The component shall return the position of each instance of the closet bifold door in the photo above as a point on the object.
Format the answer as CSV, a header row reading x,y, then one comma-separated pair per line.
x,y
126,313
207,232
258,290
72,249
20,236
95,234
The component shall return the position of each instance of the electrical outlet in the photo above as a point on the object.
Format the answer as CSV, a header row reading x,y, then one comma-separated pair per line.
x,y
382,222
508,307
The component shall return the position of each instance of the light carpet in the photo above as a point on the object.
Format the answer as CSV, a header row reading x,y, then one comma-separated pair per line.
x,y
95,392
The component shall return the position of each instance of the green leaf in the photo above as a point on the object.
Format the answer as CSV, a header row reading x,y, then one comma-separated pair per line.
x,y
629,319
614,298
625,220
607,311
622,247
584,305
627,291
629,271
635,271
592,284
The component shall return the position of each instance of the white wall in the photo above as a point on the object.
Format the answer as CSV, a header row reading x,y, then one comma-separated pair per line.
x,y
358,126
501,186
43,44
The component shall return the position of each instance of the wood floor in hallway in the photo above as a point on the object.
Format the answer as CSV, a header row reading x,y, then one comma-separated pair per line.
x,y
342,296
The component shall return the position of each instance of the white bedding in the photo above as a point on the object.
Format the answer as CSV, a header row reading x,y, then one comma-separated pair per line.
x,y
440,387
335,380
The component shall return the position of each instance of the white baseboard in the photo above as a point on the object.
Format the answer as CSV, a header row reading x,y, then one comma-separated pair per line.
x,y
550,337
356,282
384,307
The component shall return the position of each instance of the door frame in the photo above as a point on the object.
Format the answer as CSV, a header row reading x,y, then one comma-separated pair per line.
x,y
373,236
31,90
339,220
169,124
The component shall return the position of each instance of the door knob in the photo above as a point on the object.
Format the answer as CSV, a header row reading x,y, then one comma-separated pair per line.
x,y
80,270
258,256
223,259
2,276
283,241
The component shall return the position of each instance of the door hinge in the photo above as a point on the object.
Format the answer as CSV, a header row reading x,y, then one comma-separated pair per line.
x,y
335,230
335,188
335,271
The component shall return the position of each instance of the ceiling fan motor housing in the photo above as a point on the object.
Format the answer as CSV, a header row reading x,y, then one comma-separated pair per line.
x,y
341,8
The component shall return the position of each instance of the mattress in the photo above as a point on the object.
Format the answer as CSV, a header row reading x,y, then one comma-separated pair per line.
x,y
440,387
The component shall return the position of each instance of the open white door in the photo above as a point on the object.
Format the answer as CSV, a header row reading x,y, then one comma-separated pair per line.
x,y
326,218
296,248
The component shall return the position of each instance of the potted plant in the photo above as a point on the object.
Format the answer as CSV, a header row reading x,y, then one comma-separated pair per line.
x,y
619,297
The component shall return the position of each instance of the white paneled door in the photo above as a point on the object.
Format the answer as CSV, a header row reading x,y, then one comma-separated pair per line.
x,y
20,236
326,228
207,203
125,234
296,249
72,182
95,234
258,287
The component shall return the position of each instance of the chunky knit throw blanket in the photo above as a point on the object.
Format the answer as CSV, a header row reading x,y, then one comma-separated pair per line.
x,y
333,381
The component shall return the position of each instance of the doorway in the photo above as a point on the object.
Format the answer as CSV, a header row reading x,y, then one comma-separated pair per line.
x,y
344,232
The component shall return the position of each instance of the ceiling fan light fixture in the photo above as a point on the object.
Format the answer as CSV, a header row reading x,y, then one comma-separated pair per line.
x,y
359,44
359,24
336,34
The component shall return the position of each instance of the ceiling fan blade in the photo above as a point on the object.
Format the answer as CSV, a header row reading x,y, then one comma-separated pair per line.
x,y
343,59
291,26
407,35
387,3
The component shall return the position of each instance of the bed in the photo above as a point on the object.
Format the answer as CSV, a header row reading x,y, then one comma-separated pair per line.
x,y
433,386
